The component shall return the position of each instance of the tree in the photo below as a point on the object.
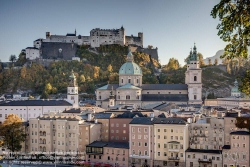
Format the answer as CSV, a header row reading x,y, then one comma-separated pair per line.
x,y
48,88
209,62
173,64
82,78
12,132
245,88
110,68
215,62
12,58
243,122
234,27
201,60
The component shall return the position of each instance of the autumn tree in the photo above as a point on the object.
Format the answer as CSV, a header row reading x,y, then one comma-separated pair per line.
x,y
209,62
215,62
173,64
243,122
110,68
12,133
234,27
201,59
96,72
244,88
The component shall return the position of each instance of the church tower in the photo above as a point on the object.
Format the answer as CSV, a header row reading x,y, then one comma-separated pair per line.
x,y
72,92
193,78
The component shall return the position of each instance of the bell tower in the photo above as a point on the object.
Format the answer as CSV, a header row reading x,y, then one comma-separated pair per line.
x,y
193,78
72,91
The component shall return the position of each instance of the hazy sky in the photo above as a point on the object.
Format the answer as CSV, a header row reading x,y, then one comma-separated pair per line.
x,y
171,25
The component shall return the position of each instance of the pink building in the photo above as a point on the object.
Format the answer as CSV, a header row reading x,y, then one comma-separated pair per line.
x,y
107,154
141,142
119,126
237,153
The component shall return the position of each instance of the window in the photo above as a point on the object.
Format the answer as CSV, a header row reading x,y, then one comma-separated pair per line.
x,y
139,130
165,137
133,130
108,157
145,130
159,154
195,78
139,136
129,80
195,97
127,97
139,144
145,144
165,130
172,130
194,156
124,125
159,145
165,154
133,143
165,145
191,164
133,136
159,130
124,131
159,136
145,153
181,137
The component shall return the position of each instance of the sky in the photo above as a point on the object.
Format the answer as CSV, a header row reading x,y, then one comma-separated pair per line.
x,y
170,25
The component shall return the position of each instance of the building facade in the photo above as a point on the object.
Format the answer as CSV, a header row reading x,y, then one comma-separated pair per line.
x,y
130,89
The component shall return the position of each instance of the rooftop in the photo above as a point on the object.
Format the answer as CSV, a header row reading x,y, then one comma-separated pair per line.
x,y
169,121
37,103
109,144
142,121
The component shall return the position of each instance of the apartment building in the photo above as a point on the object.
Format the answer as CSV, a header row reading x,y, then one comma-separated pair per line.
x,y
206,142
54,133
104,118
237,152
109,154
89,131
119,126
170,141
141,141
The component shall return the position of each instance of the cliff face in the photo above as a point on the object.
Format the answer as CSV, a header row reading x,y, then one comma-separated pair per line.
x,y
217,81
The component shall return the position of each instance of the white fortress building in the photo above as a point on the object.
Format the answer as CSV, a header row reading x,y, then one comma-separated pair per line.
x,y
64,46
131,91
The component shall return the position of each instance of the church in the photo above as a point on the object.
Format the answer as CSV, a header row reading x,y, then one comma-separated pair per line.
x,y
131,91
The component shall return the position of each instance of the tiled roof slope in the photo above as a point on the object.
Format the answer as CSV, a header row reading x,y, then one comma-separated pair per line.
x,y
37,103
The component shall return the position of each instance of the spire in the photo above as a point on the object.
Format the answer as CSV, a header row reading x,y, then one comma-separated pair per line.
x,y
190,51
236,83
194,48
130,57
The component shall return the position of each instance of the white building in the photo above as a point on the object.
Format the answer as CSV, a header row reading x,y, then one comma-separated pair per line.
x,y
130,89
27,109
32,53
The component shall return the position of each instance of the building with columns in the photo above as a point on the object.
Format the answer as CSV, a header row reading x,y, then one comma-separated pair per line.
x,y
131,90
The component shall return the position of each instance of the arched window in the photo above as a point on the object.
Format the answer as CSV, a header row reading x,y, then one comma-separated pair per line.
x,y
129,80
122,80
195,78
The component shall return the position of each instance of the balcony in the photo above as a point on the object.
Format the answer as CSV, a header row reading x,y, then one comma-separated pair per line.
x,y
173,158
174,149
205,160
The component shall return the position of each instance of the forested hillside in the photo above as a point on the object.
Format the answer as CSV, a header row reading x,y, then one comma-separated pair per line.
x,y
101,66
92,71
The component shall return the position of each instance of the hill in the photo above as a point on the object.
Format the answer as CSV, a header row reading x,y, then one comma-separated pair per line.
x,y
216,56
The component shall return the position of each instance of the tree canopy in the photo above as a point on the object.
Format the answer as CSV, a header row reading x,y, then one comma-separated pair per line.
x,y
234,26
12,132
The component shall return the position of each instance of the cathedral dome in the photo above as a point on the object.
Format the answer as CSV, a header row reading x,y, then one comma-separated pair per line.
x,y
130,68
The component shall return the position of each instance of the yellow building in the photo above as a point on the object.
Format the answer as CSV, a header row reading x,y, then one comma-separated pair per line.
x,y
171,141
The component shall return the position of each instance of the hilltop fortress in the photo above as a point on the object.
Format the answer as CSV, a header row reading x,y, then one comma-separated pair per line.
x,y
65,46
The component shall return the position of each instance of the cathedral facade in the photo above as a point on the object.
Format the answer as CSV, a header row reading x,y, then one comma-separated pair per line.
x,y
131,91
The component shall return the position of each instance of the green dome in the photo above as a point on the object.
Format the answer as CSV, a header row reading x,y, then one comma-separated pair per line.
x,y
130,68
235,89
